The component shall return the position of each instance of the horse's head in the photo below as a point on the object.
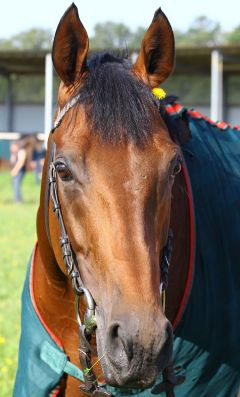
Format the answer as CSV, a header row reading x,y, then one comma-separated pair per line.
x,y
115,164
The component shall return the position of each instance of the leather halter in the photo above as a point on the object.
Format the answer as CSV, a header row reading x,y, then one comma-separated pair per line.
x,y
90,386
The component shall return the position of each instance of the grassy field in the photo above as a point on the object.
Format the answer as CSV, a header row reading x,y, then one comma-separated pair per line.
x,y
17,237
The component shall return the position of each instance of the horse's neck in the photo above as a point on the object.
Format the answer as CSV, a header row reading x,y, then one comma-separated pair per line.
x,y
179,269
55,303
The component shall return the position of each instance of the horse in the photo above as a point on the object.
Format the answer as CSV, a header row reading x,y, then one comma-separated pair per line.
x,y
115,210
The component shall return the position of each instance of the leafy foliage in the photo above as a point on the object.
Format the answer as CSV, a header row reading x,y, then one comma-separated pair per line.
x,y
234,36
34,39
110,35
202,32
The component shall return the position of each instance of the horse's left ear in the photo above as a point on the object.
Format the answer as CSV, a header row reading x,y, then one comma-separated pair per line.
x,y
70,47
156,58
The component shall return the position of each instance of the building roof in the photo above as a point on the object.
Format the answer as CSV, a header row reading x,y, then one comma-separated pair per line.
x,y
198,59
192,59
22,62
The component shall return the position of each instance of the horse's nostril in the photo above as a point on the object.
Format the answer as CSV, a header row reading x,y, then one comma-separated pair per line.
x,y
120,343
114,331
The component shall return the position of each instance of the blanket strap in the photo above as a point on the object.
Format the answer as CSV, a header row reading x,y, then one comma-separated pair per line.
x,y
58,361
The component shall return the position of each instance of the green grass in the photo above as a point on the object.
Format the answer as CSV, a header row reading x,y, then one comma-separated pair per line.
x,y
17,237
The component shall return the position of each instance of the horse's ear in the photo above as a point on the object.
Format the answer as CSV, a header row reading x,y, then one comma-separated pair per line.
x,y
156,58
70,47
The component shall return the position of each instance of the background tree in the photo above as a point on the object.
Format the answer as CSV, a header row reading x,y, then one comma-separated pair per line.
x,y
234,36
202,32
110,35
136,38
34,39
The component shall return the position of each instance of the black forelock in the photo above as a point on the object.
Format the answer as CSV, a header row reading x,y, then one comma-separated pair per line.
x,y
118,105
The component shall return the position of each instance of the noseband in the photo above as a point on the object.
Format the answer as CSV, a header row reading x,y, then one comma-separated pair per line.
x,y
88,326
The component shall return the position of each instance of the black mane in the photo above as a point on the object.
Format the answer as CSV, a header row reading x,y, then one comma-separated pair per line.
x,y
119,106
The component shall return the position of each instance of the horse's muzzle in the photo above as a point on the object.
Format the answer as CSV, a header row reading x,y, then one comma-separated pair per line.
x,y
134,354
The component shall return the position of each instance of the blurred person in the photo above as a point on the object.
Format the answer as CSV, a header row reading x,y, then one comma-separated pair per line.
x,y
20,153
38,159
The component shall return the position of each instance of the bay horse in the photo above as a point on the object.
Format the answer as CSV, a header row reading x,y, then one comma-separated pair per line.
x,y
108,203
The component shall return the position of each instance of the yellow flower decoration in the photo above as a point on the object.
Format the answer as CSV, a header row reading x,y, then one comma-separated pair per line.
x,y
159,93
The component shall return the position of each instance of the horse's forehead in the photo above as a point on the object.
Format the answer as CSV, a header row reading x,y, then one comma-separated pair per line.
x,y
130,152
76,139
82,140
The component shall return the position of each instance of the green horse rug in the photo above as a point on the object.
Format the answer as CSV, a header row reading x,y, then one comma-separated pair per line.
x,y
206,345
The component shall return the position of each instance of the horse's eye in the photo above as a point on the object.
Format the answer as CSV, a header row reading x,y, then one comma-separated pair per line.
x,y
177,167
63,172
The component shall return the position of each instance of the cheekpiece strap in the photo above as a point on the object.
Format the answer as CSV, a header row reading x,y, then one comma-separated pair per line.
x,y
90,386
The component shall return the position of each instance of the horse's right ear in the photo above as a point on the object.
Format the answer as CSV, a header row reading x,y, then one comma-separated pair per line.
x,y
70,47
157,54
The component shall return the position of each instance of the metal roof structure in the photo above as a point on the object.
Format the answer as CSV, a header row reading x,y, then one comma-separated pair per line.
x,y
198,59
215,62
22,62
194,59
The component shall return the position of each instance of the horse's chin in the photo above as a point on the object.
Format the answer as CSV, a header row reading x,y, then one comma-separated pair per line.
x,y
114,378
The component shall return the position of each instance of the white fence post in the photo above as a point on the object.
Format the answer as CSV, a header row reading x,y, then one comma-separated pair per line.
x,y
48,96
216,86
